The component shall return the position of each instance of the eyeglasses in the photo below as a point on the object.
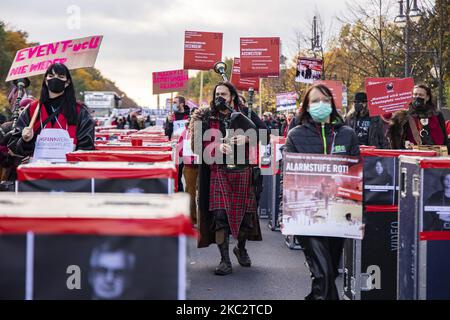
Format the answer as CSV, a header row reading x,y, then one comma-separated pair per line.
x,y
326,100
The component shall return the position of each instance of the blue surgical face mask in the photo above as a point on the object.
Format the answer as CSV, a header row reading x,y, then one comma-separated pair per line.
x,y
320,111
175,108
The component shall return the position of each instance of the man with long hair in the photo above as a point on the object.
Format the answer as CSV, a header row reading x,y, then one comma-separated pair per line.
x,y
227,199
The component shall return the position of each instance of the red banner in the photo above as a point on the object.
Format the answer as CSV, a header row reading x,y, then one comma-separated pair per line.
x,y
389,96
336,89
242,83
202,50
170,81
372,81
260,57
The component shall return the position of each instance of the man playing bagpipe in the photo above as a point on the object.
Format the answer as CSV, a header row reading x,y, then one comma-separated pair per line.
x,y
227,174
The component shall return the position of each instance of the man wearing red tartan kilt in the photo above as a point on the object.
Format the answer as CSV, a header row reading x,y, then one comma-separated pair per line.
x,y
227,200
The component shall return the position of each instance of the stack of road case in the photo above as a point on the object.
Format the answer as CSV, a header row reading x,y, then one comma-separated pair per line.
x,y
264,209
370,265
97,177
274,200
424,229
107,247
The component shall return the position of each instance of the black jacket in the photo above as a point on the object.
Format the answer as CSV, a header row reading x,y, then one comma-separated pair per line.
x,y
293,123
85,133
205,221
376,134
307,138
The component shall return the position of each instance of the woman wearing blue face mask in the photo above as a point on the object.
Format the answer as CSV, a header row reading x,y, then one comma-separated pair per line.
x,y
321,130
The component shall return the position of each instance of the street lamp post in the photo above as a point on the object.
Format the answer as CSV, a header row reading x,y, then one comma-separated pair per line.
x,y
408,12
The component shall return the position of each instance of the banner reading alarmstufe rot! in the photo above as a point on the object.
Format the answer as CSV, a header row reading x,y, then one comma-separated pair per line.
x,y
260,57
202,50
170,81
389,96
242,83
76,53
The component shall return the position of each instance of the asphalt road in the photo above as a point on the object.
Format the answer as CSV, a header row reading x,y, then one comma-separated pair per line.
x,y
277,272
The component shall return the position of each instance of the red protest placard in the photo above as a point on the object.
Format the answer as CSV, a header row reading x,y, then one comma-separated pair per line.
x,y
202,49
389,96
75,53
260,57
372,81
242,83
170,81
336,89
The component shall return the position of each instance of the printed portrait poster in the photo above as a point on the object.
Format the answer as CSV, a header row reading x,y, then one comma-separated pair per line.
x,y
380,180
322,195
436,196
308,70
75,53
110,267
202,50
242,83
389,96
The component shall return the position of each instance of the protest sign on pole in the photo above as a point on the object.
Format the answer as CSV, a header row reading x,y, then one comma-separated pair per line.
x,y
322,195
308,70
335,87
168,104
286,101
76,53
239,82
170,81
260,57
202,49
389,96
372,81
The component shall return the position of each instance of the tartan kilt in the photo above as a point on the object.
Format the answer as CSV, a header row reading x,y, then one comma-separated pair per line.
x,y
231,190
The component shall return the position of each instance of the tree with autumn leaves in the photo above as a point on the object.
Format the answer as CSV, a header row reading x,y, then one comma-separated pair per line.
x,y
368,44
86,79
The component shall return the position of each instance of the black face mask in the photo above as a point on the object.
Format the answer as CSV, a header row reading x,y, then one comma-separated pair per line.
x,y
419,104
221,104
56,85
359,107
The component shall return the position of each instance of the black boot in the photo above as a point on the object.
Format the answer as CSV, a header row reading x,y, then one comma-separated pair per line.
x,y
241,252
224,266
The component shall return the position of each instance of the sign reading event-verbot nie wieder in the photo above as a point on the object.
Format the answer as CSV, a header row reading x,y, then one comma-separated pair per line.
x,y
76,53
322,195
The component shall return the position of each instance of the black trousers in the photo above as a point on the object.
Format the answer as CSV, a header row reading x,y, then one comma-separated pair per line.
x,y
323,255
180,175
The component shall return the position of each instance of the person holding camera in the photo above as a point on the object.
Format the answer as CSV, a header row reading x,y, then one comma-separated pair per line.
x,y
227,198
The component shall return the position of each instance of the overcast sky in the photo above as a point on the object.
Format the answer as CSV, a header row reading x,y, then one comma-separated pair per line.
x,y
145,36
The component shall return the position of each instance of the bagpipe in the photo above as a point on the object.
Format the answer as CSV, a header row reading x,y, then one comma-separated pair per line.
x,y
237,120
